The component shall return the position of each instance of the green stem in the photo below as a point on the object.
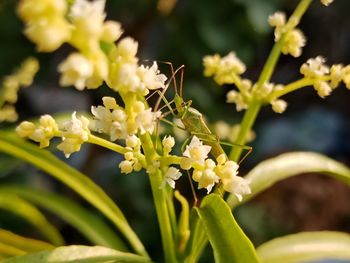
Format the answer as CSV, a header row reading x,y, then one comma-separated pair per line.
x,y
106,144
160,199
295,85
247,123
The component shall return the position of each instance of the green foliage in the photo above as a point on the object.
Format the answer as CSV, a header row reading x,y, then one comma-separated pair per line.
x,y
306,247
14,245
84,221
225,236
270,171
81,254
43,159
24,209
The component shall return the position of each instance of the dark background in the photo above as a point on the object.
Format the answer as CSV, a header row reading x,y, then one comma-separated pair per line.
x,y
189,31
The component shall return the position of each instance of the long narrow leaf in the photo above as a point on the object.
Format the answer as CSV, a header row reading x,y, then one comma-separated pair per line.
x,y
11,144
31,214
81,254
306,247
269,172
22,243
227,239
88,224
10,251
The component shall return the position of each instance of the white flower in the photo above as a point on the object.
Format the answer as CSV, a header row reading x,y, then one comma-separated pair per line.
x,y
279,106
231,64
25,129
346,76
76,69
206,177
293,43
235,97
146,120
126,50
336,73
211,65
126,166
323,89
225,69
46,130
110,119
326,2
75,133
314,67
8,113
88,16
133,142
196,151
131,162
151,78
111,31
171,175
168,143
238,186
277,19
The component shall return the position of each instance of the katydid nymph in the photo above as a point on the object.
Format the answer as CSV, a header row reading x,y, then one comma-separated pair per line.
x,y
193,120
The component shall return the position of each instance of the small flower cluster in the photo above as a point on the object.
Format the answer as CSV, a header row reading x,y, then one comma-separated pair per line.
x,y
119,123
294,39
73,132
133,156
225,70
208,173
325,78
22,77
46,24
41,133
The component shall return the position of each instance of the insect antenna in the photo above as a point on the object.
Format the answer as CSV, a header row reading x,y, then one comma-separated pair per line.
x,y
172,78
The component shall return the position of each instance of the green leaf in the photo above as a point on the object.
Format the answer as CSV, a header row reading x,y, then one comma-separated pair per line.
x,y
9,251
269,172
11,144
227,239
91,226
81,254
305,247
31,214
21,244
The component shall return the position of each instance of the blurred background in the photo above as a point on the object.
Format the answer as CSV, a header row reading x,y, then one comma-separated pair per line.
x,y
182,32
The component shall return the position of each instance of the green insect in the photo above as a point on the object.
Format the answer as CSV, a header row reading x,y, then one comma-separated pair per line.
x,y
193,120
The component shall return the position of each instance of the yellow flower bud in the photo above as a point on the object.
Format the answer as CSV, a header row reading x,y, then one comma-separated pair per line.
x,y
25,129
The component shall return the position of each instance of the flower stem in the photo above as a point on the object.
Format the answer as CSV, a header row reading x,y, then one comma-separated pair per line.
x,y
106,144
248,121
160,199
291,87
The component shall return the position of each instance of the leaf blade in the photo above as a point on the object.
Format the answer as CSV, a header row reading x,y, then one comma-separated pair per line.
x,y
226,237
11,144
87,223
270,171
23,243
31,214
81,254
305,247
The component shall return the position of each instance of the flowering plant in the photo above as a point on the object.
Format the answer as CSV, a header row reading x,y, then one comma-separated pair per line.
x,y
127,124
